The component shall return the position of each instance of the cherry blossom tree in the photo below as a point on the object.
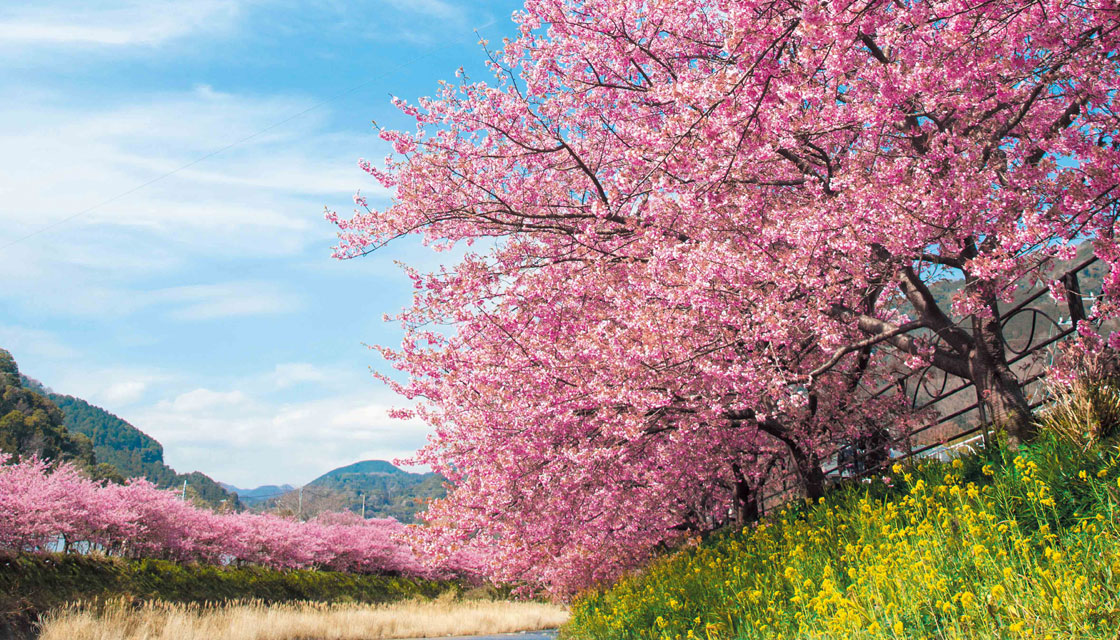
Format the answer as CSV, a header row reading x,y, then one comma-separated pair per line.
x,y
709,228
52,508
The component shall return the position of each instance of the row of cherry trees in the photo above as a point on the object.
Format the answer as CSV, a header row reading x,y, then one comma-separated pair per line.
x,y
710,228
45,508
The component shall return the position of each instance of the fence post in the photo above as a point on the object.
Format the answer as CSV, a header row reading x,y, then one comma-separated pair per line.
x,y
983,417
1073,297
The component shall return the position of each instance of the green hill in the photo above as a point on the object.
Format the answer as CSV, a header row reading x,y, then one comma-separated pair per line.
x,y
31,425
387,492
133,452
363,468
64,427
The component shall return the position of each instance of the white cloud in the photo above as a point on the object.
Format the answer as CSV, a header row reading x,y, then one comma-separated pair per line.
x,y
125,392
202,400
113,388
60,161
139,22
260,199
207,302
39,344
292,373
249,439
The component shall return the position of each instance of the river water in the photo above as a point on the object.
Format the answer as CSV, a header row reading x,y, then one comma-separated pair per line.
x,y
549,634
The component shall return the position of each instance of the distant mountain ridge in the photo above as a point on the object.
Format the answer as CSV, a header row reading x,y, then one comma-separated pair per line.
x,y
389,492
383,489
363,467
258,494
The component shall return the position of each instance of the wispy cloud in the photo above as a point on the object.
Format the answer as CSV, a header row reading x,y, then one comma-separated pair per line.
x,y
294,441
289,374
113,387
34,342
261,199
431,8
145,22
62,160
210,301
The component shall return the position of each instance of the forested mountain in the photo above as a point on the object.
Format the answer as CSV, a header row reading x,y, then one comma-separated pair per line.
x,y
250,497
389,492
133,452
31,425
34,419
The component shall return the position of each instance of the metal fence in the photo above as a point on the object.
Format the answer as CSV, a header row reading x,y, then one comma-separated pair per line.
x,y
1033,328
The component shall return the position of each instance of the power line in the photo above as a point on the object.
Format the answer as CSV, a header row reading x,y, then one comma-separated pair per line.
x,y
123,194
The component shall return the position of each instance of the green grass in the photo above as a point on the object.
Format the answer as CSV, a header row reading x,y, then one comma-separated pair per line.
x,y
34,584
1000,547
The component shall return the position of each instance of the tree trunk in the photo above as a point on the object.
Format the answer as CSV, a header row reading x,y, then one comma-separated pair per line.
x,y
745,499
1000,389
807,463
809,470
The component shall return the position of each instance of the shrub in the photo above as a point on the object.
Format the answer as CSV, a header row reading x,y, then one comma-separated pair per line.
x,y
1085,408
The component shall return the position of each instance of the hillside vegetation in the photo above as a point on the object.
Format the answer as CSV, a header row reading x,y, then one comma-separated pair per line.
x,y
1006,546
389,492
36,421
385,490
134,453
31,425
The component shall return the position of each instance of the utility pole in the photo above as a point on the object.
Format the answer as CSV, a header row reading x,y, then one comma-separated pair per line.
x,y
300,516
363,506
183,495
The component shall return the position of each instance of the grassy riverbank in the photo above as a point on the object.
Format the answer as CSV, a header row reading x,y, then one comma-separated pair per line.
x,y
31,585
1006,546
447,615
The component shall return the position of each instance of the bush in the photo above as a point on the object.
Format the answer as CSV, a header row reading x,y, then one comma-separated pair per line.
x,y
1085,410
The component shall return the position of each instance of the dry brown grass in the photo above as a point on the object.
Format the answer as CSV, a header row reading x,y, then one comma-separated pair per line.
x,y
299,621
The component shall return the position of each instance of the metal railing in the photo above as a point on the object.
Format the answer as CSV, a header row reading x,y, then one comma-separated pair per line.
x,y
958,420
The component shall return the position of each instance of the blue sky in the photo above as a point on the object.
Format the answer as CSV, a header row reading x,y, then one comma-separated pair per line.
x,y
204,307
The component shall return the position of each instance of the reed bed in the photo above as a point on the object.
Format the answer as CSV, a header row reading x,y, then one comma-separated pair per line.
x,y
121,620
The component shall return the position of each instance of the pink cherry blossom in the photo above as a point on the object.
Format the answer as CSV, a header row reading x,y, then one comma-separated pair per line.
x,y
708,231
44,507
